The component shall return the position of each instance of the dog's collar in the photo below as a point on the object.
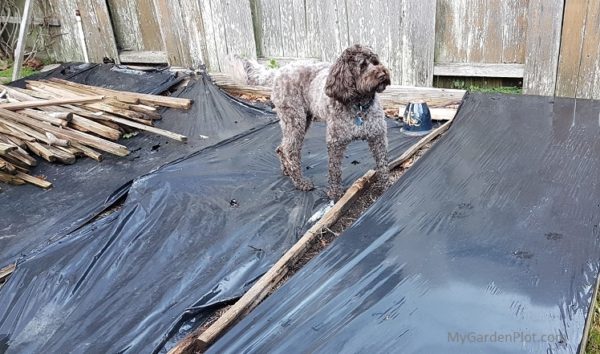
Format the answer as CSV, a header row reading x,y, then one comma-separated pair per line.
x,y
361,111
363,107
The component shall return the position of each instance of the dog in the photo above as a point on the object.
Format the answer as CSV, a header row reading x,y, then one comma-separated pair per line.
x,y
344,95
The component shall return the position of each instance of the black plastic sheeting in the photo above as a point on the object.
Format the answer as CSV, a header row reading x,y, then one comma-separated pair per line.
x,y
110,76
190,237
489,243
80,191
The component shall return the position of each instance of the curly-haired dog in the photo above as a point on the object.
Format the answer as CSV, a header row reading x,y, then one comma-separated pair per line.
x,y
344,95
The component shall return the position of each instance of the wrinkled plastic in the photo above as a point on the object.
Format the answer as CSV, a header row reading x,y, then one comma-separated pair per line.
x,y
488,244
190,237
80,191
110,76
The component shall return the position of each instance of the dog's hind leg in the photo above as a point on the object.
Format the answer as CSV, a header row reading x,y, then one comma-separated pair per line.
x,y
293,128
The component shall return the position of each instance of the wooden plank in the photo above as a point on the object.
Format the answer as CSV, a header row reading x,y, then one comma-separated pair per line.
x,y
479,70
65,133
126,24
277,272
6,148
228,29
36,21
514,16
136,25
289,32
543,43
391,98
588,85
55,102
20,50
418,44
34,180
174,39
65,44
194,27
269,19
166,101
571,47
333,29
143,57
480,31
98,30
148,25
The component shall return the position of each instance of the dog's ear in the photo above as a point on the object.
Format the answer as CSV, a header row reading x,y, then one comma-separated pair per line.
x,y
340,83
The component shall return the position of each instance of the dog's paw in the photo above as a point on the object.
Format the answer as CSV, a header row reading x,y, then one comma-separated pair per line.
x,y
304,184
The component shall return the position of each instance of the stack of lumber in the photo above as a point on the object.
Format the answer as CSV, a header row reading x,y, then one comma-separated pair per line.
x,y
59,120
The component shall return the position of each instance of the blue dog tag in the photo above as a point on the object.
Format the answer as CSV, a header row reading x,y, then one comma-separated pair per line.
x,y
358,121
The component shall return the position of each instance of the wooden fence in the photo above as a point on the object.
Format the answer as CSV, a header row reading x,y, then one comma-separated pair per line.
x,y
551,44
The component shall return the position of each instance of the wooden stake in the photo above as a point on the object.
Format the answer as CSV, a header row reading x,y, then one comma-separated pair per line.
x,y
55,102
44,117
41,151
6,148
165,101
154,130
15,133
89,152
91,90
34,180
10,179
65,133
7,167
95,127
23,157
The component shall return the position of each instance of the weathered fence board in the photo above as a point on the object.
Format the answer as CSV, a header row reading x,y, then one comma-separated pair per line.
x,y
174,39
135,25
65,45
579,63
98,30
227,30
543,45
588,85
323,29
480,31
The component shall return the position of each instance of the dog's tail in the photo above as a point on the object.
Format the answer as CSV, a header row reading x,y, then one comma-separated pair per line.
x,y
248,71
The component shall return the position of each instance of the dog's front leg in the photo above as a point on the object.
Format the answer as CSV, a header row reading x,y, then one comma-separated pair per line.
x,y
378,147
336,154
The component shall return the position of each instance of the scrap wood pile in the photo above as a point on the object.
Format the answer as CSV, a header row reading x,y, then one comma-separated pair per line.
x,y
60,120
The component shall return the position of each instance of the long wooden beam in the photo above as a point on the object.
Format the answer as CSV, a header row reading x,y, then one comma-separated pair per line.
x,y
269,280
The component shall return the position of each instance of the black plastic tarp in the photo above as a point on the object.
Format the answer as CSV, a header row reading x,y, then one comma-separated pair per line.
x,y
489,243
82,190
190,236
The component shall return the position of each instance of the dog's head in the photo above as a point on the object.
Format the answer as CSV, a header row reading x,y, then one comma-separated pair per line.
x,y
357,73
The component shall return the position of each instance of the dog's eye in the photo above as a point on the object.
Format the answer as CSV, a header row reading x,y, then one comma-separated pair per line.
x,y
363,63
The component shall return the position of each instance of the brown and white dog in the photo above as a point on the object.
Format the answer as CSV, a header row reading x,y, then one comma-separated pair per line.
x,y
344,95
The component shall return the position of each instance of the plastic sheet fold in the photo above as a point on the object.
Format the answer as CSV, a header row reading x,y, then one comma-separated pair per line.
x,y
190,236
